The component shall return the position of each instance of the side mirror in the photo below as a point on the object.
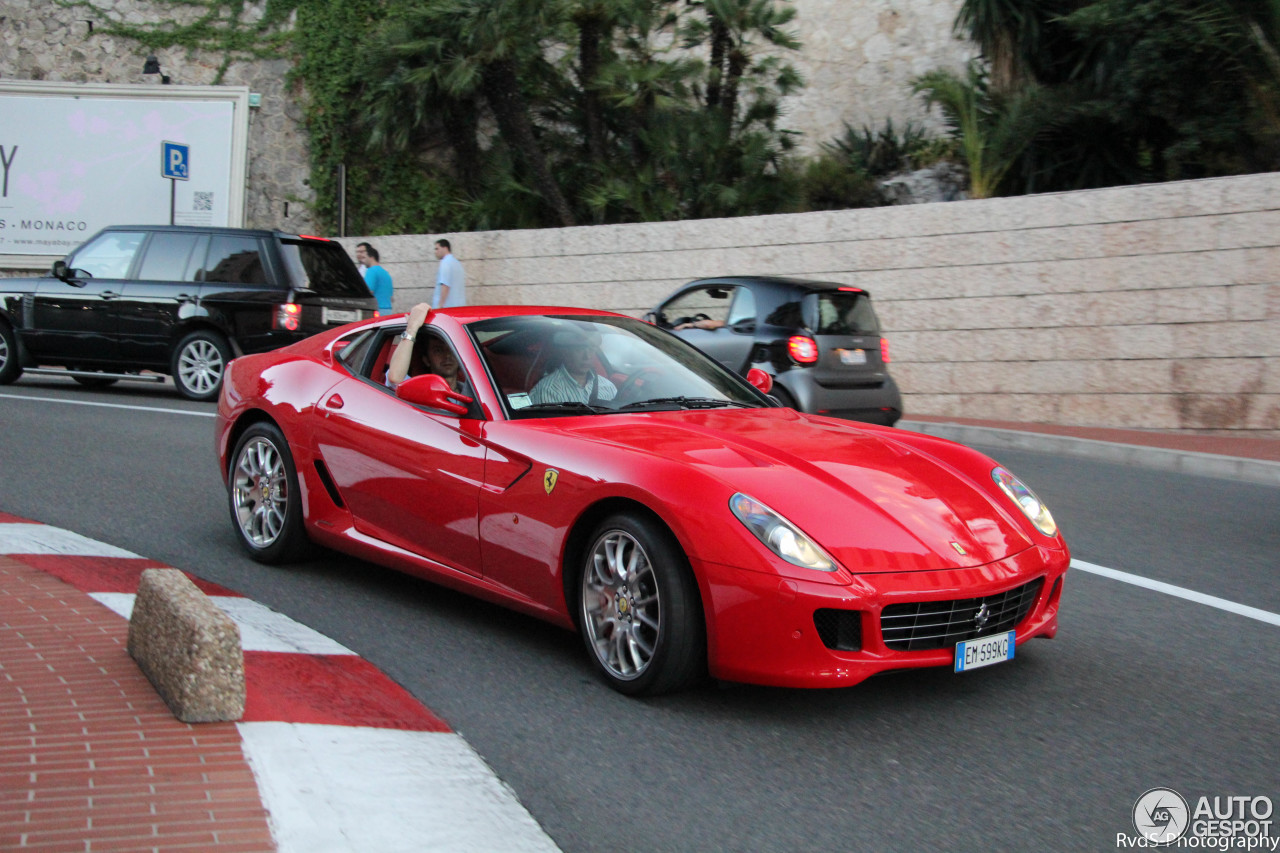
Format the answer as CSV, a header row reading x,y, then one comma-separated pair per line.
x,y
761,380
432,391
60,270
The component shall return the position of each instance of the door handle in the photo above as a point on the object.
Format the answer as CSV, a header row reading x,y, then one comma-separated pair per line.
x,y
108,294
334,402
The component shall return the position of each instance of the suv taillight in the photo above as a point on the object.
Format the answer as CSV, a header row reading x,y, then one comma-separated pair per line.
x,y
287,316
884,350
803,350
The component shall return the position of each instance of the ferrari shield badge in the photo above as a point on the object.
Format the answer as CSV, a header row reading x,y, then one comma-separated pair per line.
x,y
549,479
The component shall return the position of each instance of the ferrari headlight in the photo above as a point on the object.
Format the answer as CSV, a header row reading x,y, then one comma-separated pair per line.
x,y
1031,506
779,535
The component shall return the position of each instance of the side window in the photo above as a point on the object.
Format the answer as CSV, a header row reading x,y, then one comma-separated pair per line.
x,y
706,303
110,255
168,256
744,306
235,259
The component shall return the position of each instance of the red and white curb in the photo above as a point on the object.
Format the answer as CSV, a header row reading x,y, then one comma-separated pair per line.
x,y
345,758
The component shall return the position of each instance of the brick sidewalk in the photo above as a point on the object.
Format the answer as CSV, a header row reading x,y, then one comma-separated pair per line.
x,y
90,757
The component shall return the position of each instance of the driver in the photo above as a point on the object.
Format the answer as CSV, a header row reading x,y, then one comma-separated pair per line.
x,y
574,379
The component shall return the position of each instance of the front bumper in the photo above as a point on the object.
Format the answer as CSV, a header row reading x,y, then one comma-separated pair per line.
x,y
761,628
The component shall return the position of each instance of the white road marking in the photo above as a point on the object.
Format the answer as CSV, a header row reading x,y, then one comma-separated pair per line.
x,y
109,405
261,628
347,788
1179,592
23,538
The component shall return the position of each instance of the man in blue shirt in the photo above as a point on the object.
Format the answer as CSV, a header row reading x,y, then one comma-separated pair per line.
x,y
451,279
377,278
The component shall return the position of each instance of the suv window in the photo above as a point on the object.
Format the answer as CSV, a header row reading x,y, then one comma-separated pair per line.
x,y
235,259
169,256
843,312
110,255
323,267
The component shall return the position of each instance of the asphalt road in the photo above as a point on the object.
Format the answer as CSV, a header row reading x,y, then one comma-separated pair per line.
x,y
1139,690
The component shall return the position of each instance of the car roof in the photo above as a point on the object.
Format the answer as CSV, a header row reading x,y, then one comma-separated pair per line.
x,y
216,229
781,282
474,313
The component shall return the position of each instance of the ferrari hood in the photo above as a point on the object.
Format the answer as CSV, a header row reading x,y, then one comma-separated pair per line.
x,y
873,501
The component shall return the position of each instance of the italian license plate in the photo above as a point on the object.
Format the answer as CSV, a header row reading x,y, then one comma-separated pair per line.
x,y
853,356
340,315
984,651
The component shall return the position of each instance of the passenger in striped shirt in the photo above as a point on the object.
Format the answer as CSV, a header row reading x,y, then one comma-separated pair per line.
x,y
575,377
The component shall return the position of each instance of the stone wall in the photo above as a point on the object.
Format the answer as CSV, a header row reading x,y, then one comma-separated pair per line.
x,y
1154,307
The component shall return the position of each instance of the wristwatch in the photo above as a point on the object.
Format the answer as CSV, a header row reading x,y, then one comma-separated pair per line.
x,y
406,336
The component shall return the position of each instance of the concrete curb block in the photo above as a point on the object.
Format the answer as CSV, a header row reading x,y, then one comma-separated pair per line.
x,y
1257,471
188,648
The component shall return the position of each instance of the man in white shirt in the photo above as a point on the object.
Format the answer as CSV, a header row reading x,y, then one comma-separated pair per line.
x,y
451,279
574,378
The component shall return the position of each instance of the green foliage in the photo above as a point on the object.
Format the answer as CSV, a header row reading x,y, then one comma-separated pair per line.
x,y
1131,90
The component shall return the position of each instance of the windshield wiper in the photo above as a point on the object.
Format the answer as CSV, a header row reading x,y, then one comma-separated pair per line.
x,y
687,403
567,406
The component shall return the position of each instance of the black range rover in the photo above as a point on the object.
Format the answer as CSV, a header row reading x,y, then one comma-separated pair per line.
x,y
180,300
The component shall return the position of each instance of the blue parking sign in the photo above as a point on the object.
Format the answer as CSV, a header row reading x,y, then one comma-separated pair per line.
x,y
175,161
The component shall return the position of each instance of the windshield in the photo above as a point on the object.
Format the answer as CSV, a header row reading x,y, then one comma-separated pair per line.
x,y
548,366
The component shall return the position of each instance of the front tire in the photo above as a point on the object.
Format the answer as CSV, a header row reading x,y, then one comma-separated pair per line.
x,y
199,363
263,495
640,615
10,366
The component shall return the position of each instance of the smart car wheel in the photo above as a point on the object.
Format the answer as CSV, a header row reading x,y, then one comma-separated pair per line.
x,y
262,488
783,396
640,614
198,364
10,369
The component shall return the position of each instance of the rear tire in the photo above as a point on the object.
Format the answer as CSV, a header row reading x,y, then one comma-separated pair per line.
x,y
199,363
783,396
639,612
10,366
263,496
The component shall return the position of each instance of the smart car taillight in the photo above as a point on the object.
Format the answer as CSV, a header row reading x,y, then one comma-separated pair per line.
x,y
803,350
884,350
287,316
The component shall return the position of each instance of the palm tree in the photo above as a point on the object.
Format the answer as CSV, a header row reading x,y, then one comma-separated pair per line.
x,y
485,48
992,128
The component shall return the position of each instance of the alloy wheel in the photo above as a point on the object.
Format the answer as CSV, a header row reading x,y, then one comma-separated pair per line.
x,y
621,609
200,366
260,492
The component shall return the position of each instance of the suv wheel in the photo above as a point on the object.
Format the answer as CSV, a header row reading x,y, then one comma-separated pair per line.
x,y
199,363
10,368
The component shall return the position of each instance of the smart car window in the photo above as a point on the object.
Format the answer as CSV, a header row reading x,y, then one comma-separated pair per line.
x,y
322,266
744,306
168,255
707,303
235,259
845,313
109,255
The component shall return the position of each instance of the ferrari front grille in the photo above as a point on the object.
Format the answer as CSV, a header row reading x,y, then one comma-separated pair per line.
x,y
922,625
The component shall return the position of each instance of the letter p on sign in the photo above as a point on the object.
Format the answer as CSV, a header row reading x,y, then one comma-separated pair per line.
x,y
175,161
